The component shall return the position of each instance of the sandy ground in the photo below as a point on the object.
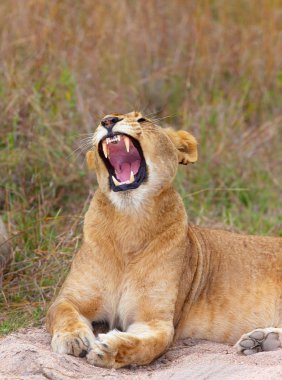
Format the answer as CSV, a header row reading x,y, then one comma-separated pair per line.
x,y
26,355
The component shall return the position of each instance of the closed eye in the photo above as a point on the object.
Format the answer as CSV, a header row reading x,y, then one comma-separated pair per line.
x,y
141,120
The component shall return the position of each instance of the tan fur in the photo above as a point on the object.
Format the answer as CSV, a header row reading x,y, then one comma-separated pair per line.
x,y
153,277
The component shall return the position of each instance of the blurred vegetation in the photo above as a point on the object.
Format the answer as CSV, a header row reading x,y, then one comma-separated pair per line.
x,y
211,67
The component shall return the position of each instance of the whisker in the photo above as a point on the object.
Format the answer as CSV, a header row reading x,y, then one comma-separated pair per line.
x,y
86,139
165,117
75,155
152,114
78,150
81,149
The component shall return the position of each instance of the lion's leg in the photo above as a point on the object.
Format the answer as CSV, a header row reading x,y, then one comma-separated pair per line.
x,y
142,343
148,303
72,333
267,339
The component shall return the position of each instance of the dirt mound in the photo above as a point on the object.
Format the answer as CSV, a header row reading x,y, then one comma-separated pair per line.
x,y
26,355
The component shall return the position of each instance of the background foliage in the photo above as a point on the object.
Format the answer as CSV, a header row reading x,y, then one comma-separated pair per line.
x,y
211,67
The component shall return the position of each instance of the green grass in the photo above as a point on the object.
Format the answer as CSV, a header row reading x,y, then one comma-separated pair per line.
x,y
211,67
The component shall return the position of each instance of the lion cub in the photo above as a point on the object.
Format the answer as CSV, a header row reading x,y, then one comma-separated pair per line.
x,y
152,277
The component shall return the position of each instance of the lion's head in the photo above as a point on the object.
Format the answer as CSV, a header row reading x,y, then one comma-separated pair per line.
x,y
133,157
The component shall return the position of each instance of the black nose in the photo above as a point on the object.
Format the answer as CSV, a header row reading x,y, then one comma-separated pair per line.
x,y
109,122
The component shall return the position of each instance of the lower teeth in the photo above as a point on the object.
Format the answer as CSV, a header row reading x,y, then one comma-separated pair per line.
x,y
128,182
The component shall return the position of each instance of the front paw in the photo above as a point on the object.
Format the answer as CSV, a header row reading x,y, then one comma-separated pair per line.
x,y
112,350
101,355
76,343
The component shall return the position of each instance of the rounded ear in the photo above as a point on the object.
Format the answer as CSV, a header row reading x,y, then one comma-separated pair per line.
x,y
186,145
90,160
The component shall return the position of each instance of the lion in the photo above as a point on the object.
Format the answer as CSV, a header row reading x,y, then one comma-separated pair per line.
x,y
149,274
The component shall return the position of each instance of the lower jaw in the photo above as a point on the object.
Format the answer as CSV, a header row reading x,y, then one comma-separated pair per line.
x,y
139,179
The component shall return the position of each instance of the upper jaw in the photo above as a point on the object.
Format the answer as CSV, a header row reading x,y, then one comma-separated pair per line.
x,y
123,157
114,139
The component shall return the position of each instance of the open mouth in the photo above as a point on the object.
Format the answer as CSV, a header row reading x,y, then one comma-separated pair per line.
x,y
124,160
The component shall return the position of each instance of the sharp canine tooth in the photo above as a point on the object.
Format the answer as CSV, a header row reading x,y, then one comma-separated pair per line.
x,y
131,179
127,143
118,137
108,140
116,182
105,149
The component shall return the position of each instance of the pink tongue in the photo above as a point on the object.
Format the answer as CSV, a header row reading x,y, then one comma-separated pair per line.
x,y
125,170
124,173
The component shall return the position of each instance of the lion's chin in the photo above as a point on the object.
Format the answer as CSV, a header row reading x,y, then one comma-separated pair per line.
x,y
124,160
